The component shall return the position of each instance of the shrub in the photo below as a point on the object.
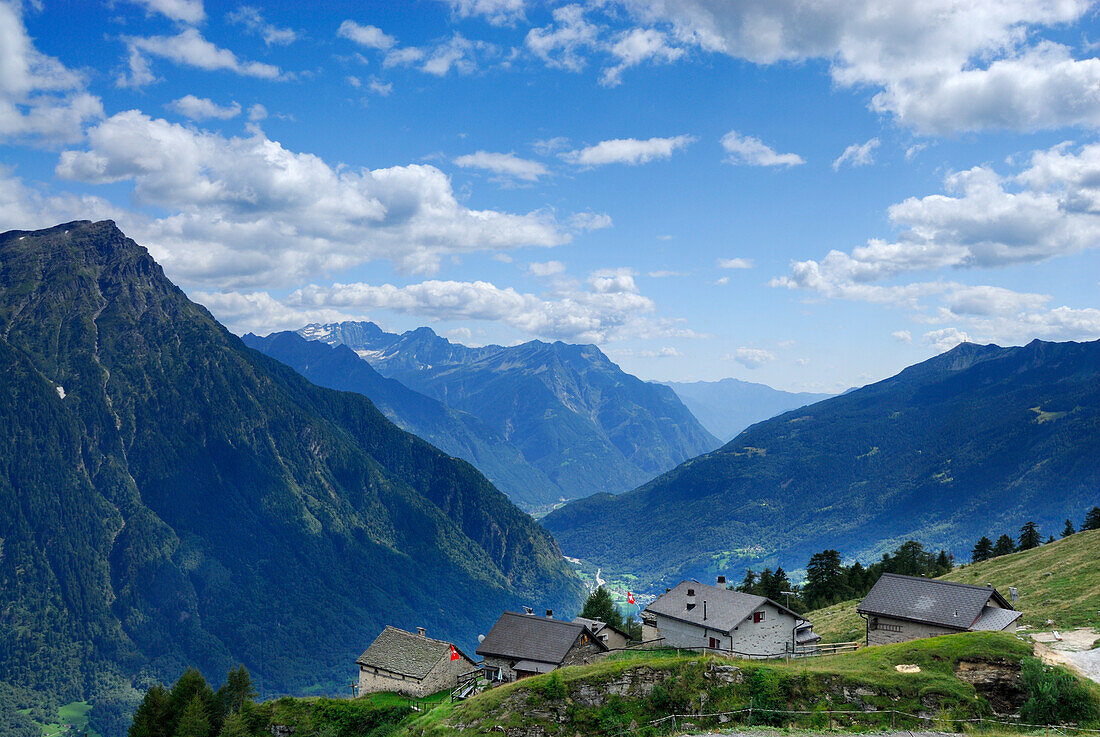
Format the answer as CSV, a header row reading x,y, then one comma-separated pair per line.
x,y
1055,696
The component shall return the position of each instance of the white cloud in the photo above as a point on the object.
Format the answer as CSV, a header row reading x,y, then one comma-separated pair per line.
x,y
201,108
665,273
635,46
613,281
590,221
498,12
627,151
735,263
457,53
254,22
379,87
547,268
248,211
189,48
754,152
545,147
721,281
945,339
259,312
940,65
858,154
902,336
561,44
372,37
752,358
184,11
257,112
41,100
505,165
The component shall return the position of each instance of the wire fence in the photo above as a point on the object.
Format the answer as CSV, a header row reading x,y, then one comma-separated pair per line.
x,y
897,720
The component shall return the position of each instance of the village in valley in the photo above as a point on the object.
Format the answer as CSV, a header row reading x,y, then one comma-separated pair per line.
x,y
690,617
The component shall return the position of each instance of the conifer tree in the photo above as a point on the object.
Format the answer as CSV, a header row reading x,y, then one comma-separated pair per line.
x,y
237,690
983,550
825,579
1069,529
1029,537
748,583
193,722
235,726
152,718
1092,520
1004,546
943,563
600,606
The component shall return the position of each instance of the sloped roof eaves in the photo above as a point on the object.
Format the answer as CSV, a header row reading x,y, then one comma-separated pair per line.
x,y
597,626
944,603
528,637
995,619
405,653
725,609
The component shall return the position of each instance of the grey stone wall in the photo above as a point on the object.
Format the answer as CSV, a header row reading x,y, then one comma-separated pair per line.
x,y
908,631
770,637
443,675
582,652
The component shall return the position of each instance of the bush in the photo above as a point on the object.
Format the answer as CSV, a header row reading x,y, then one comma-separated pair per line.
x,y
1055,696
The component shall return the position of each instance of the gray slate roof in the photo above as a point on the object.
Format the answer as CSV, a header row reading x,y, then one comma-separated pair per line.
x,y
995,619
528,637
725,609
597,626
945,603
409,654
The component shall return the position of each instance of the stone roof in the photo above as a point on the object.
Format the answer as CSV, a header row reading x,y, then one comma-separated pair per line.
x,y
528,637
409,654
995,619
597,626
724,610
944,603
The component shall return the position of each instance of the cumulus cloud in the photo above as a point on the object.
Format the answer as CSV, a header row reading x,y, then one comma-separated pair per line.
x,y
627,151
735,263
940,65
202,108
457,53
249,211
371,37
189,48
902,336
254,22
41,100
590,221
571,312
858,154
498,12
505,165
259,312
183,11
563,43
752,358
636,46
945,339
546,268
754,152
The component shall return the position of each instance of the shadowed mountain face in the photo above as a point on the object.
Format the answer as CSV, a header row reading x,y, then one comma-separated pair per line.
x,y
169,496
457,433
728,406
978,439
572,413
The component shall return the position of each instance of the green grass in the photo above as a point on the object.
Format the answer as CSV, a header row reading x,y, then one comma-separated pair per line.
x,y
557,702
1059,581
76,714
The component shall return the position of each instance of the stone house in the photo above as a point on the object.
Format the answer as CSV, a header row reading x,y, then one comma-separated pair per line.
x,y
900,608
613,637
411,664
698,616
521,645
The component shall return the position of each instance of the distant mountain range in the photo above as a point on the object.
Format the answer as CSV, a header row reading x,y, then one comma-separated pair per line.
x,y
570,412
978,439
169,497
457,433
728,406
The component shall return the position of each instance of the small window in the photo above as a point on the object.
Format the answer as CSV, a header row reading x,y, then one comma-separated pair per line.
x,y
715,643
758,617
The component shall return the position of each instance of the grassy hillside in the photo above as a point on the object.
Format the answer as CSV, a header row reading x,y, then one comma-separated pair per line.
x,y
1059,581
628,693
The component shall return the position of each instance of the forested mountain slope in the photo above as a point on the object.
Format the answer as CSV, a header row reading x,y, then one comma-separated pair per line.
x,y
572,413
729,406
978,438
169,496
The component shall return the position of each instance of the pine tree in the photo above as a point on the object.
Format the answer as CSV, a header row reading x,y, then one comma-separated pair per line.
x,y
777,584
825,579
235,726
1069,529
152,717
193,722
983,550
1029,537
237,690
748,583
600,606
943,563
1092,520
1004,546
191,685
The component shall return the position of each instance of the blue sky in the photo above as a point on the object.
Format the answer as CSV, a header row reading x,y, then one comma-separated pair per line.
x,y
810,196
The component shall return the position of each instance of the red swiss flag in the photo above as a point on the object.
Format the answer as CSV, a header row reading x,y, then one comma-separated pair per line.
x,y
454,653
629,598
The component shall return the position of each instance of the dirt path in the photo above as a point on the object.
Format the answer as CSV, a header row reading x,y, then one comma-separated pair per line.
x,y
1073,650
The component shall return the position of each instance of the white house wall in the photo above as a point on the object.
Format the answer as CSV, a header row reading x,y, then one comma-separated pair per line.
x,y
770,637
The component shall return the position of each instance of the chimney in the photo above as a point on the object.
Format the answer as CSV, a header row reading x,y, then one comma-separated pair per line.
x,y
989,585
721,580
667,590
421,631
528,610
691,599
549,613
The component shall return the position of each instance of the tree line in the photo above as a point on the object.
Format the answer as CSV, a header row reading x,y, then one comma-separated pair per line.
x,y
191,708
1028,538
